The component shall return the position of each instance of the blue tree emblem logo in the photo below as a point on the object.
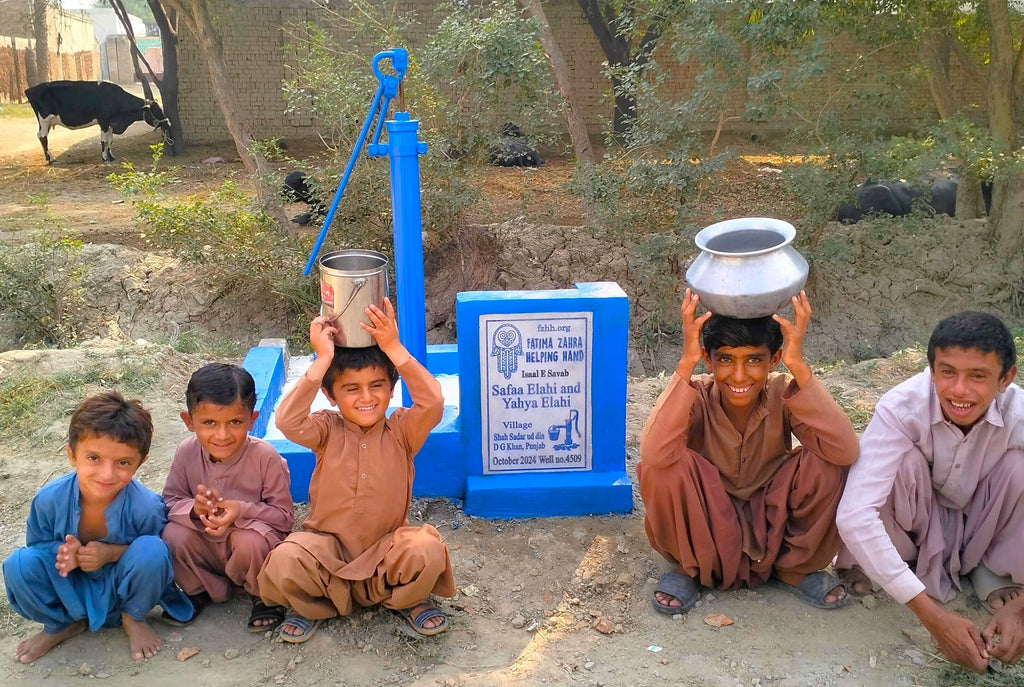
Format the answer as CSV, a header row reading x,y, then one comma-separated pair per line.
x,y
507,346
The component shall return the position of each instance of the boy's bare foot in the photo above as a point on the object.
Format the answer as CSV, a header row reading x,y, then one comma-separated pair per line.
x,y
429,623
855,580
667,599
142,641
1000,597
41,643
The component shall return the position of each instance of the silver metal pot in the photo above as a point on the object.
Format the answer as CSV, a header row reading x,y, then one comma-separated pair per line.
x,y
747,267
350,280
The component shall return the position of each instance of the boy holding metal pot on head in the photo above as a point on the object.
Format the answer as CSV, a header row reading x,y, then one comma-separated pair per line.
x,y
730,501
357,548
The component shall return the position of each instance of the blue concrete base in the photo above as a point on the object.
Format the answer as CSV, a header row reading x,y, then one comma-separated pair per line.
x,y
439,465
528,495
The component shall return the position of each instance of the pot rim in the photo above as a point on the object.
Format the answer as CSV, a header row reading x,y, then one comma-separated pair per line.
x,y
781,227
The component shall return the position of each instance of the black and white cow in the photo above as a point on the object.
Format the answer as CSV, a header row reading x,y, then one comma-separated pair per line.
x,y
78,104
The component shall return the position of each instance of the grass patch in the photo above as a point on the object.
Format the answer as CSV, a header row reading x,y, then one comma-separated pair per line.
x,y
31,402
998,675
16,111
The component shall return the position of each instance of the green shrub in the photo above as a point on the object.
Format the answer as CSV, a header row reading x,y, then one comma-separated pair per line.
x,y
41,287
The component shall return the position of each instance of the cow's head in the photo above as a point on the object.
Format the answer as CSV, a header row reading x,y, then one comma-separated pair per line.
x,y
154,116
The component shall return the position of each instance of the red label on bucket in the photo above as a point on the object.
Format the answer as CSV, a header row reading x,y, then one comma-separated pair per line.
x,y
326,294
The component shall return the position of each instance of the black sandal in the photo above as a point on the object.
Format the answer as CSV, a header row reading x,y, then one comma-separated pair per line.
x,y
261,611
199,602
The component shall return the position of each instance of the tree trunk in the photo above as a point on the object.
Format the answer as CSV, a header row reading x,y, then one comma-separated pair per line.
x,y
196,16
42,41
936,49
1007,215
168,83
563,77
617,51
969,202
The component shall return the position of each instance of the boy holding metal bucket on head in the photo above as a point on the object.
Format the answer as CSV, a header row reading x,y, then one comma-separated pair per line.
x,y
730,501
357,548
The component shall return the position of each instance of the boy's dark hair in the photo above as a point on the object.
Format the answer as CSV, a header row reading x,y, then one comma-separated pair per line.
x,y
110,415
977,330
720,331
358,359
221,384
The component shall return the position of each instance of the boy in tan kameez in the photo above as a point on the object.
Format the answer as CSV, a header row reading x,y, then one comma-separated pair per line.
x,y
357,548
730,501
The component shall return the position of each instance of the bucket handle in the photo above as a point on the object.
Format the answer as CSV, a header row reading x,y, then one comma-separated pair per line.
x,y
356,285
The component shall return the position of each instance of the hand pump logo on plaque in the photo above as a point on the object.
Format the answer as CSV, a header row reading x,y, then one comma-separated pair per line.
x,y
536,391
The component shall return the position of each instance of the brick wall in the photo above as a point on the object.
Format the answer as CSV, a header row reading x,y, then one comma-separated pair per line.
x,y
72,48
254,47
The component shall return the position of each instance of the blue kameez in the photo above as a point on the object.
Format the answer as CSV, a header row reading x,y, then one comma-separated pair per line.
x,y
141,579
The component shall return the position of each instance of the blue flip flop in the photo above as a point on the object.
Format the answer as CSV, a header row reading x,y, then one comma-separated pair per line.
x,y
813,589
680,586
307,625
417,621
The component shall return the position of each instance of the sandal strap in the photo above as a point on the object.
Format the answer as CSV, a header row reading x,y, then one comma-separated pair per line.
x,y
300,621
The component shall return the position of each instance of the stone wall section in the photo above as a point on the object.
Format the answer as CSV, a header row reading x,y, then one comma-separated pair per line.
x,y
255,38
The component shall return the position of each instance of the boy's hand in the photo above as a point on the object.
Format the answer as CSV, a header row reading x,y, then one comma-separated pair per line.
x,y
207,501
218,522
96,554
383,326
793,338
692,328
321,337
1004,633
67,555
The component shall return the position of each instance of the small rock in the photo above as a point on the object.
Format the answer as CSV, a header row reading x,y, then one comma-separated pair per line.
x,y
231,654
532,626
664,661
604,626
102,676
471,590
837,669
213,160
677,616
518,622
455,524
589,665
622,548
717,620
85,669
291,665
869,602
624,579
916,657
299,659
368,648
574,601
187,653
709,597
449,683
594,613
872,661
206,663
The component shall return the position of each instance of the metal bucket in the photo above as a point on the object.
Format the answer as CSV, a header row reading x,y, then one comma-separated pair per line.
x,y
350,280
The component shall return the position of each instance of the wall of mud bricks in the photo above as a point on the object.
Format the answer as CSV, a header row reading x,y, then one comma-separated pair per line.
x,y
255,37
70,44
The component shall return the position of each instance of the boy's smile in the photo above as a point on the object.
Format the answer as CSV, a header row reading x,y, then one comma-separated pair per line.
x,y
104,467
362,396
966,382
221,429
740,372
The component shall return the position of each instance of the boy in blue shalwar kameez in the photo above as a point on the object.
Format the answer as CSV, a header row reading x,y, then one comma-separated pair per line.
x,y
93,556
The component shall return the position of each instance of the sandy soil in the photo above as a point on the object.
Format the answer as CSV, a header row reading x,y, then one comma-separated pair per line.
x,y
530,591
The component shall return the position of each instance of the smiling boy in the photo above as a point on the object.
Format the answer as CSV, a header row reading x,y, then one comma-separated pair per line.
x,y
940,485
730,501
357,547
227,495
93,556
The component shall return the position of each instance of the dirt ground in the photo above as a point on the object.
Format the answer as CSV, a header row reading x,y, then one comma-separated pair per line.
x,y
530,591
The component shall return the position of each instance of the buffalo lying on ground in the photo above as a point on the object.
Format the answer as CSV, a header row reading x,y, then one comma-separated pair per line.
x,y
513,149
897,198
297,189
78,104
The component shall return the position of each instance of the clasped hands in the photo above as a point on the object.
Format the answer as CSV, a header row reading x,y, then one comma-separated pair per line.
x,y
216,513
